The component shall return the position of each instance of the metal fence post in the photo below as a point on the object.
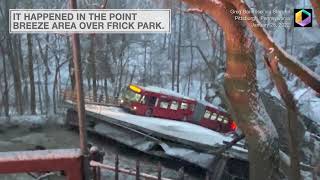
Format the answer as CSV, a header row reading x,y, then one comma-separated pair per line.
x,y
181,174
137,170
116,175
207,175
159,171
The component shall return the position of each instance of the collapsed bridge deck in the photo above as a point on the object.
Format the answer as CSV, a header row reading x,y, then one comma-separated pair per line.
x,y
161,137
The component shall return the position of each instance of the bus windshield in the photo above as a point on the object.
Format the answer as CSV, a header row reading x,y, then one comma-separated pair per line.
x,y
131,96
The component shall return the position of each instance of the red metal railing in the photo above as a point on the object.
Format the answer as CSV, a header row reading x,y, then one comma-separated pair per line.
x,y
67,160
90,99
136,173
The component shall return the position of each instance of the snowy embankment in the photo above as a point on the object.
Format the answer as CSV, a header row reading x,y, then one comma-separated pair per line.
x,y
24,119
31,119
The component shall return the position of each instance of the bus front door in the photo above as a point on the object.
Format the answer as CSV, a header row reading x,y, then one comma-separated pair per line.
x,y
150,102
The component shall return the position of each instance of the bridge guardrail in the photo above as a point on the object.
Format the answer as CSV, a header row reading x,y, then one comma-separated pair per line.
x,y
100,99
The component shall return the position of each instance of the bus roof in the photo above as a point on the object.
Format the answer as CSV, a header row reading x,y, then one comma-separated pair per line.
x,y
212,106
167,92
175,94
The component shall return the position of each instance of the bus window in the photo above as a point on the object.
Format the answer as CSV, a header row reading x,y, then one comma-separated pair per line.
x,y
207,114
184,106
164,104
132,96
151,100
225,120
220,118
174,105
213,116
192,107
143,100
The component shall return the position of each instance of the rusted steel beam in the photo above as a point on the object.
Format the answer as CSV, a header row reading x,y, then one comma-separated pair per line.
x,y
67,160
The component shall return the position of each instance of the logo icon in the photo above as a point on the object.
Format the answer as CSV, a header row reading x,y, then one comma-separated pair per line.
x,y
302,17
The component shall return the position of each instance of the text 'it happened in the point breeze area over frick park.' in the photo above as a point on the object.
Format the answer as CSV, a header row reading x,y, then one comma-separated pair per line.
x,y
90,21
135,20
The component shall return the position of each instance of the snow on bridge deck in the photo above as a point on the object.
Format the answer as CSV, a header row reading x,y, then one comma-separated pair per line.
x,y
178,129
182,140
184,131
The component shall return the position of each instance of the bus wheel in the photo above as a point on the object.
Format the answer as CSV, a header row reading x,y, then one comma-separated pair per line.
x,y
148,112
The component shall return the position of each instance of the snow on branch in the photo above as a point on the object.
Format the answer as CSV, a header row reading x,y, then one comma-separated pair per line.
x,y
195,10
291,63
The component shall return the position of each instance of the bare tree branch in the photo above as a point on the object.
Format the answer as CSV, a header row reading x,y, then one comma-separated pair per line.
x,y
316,8
291,63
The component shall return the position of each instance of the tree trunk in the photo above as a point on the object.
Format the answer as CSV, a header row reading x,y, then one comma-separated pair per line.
x,y
106,88
173,51
71,65
292,64
24,76
14,66
44,56
201,83
316,8
133,73
241,89
293,124
178,48
145,65
122,66
39,90
191,66
6,90
31,76
92,65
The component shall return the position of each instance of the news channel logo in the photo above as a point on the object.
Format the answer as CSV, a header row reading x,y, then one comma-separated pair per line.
x,y
302,17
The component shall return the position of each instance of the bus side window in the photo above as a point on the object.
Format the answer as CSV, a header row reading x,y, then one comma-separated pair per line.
x,y
143,100
174,105
213,116
164,104
220,118
184,106
192,107
207,114
225,120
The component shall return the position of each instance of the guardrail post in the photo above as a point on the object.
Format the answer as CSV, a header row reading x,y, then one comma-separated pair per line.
x,y
159,170
181,173
116,175
94,173
137,170
207,175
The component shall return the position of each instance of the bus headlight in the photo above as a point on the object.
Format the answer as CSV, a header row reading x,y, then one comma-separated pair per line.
x,y
121,101
134,107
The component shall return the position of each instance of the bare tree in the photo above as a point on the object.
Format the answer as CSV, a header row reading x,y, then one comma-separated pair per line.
x,y
44,55
14,65
316,7
39,89
179,48
31,76
92,65
240,82
5,97
241,89
293,124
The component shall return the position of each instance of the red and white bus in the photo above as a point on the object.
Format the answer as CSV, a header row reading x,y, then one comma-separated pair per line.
x,y
163,103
